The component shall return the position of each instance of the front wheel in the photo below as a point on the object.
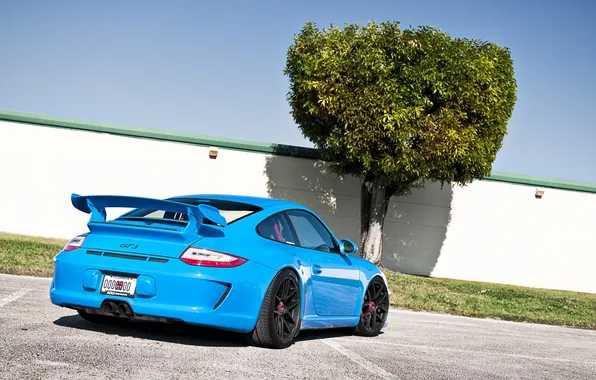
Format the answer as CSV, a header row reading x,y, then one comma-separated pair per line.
x,y
279,318
375,309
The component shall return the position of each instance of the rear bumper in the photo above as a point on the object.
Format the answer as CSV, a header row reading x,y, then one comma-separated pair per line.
x,y
226,298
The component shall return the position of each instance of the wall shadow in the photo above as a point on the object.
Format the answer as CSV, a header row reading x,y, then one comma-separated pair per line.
x,y
415,227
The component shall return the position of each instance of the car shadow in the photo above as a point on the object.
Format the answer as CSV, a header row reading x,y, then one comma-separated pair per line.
x,y
177,333
181,333
326,334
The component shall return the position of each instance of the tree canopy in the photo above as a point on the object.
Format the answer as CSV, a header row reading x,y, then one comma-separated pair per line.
x,y
408,104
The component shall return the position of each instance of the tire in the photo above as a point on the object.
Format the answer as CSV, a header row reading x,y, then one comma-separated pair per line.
x,y
279,319
102,319
374,310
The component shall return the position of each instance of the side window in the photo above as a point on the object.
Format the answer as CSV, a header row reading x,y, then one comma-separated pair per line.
x,y
311,232
276,228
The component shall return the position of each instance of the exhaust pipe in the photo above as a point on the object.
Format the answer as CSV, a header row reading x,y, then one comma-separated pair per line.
x,y
117,309
129,312
124,309
111,307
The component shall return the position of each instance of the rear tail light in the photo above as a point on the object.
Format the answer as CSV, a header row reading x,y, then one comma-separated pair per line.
x,y
74,243
207,258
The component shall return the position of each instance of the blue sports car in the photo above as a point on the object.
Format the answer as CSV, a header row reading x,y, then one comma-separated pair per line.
x,y
263,267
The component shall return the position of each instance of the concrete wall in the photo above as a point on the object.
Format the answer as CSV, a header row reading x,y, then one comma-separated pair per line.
x,y
487,231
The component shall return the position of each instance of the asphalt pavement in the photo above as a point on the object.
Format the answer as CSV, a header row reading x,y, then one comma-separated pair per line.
x,y
41,341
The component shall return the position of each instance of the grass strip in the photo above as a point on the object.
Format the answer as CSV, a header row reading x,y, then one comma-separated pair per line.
x,y
33,256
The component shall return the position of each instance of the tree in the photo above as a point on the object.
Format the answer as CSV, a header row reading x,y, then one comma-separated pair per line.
x,y
398,107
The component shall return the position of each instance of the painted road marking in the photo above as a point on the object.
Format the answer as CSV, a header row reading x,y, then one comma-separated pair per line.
x,y
2,287
20,277
422,347
14,296
52,363
362,362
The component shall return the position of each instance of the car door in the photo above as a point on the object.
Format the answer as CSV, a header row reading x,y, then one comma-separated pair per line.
x,y
335,279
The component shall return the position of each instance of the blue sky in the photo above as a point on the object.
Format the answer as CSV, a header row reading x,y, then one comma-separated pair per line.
x,y
215,68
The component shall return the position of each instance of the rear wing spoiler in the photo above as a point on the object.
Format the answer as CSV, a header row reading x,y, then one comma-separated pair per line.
x,y
96,205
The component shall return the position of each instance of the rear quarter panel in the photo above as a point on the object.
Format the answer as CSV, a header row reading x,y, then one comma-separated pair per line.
x,y
241,239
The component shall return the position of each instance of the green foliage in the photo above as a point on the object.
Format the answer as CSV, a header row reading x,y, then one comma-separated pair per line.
x,y
22,254
403,104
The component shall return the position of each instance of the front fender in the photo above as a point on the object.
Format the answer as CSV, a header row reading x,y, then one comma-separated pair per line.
x,y
368,271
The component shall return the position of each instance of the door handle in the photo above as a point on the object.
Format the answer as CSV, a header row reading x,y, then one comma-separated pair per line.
x,y
316,268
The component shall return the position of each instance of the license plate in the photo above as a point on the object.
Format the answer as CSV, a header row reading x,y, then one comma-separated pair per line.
x,y
118,286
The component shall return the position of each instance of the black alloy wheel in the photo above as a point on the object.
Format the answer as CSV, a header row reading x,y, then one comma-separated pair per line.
x,y
279,319
375,309
285,313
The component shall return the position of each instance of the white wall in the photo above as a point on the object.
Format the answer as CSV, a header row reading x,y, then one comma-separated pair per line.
x,y
501,233
487,231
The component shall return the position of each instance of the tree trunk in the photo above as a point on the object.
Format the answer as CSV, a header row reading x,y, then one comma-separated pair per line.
x,y
373,209
365,200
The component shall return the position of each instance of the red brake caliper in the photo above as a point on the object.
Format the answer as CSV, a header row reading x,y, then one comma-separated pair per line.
x,y
371,308
280,307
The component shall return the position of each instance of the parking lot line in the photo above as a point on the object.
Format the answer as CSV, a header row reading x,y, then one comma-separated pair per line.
x,y
367,365
22,277
14,296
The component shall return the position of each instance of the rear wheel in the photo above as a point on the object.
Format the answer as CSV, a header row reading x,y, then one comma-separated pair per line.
x,y
375,309
102,319
279,318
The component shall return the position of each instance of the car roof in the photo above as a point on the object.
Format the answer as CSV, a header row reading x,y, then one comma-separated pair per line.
x,y
252,200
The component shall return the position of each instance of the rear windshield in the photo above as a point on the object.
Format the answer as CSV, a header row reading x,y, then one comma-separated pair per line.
x,y
231,211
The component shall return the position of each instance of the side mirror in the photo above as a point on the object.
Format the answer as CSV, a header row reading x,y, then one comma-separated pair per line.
x,y
347,247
